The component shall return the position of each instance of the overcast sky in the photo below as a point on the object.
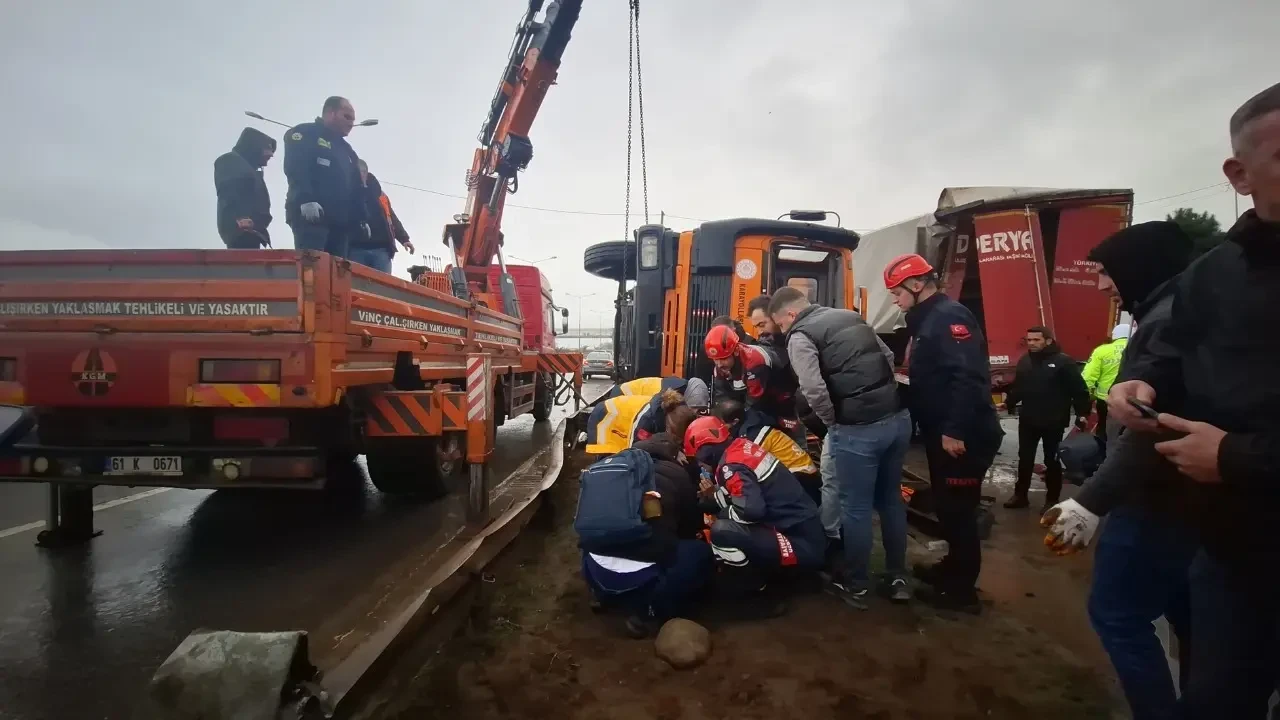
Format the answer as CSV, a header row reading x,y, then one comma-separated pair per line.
x,y
116,111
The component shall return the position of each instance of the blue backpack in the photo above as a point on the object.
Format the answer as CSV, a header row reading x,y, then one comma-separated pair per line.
x,y
610,494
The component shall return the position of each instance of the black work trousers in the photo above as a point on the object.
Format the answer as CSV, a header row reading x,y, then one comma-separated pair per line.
x,y
956,483
326,238
1029,436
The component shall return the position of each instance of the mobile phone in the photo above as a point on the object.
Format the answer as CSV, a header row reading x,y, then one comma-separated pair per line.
x,y
1144,409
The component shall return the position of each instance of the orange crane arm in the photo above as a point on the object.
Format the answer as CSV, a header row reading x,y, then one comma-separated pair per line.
x,y
505,149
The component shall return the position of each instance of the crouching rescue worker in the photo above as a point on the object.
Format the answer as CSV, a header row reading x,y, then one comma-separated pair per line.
x,y
950,399
649,386
777,443
759,376
766,524
638,526
244,203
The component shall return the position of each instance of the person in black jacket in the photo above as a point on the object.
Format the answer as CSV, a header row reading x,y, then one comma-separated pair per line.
x,y
244,204
325,204
655,579
1047,384
950,398
1146,546
1212,375
379,247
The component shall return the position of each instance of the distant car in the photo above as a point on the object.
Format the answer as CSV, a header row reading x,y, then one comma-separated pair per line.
x,y
598,363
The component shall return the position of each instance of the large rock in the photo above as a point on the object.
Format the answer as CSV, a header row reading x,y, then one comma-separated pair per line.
x,y
683,643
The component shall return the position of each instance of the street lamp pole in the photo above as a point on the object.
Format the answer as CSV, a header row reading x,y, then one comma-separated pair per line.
x,y
580,299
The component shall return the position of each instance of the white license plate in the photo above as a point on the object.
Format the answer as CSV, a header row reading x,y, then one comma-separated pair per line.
x,y
144,465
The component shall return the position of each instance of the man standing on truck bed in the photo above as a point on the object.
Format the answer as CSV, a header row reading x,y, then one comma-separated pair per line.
x,y
244,203
325,204
377,249
1048,384
950,398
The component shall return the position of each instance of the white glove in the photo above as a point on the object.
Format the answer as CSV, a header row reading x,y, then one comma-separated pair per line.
x,y
368,231
312,212
1071,527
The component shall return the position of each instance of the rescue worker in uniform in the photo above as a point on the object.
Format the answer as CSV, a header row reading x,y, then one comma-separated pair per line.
x,y
950,398
1100,373
617,423
377,250
766,524
778,443
648,386
325,204
758,375
244,203
655,419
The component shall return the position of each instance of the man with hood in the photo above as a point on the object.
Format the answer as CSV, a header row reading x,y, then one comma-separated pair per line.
x,y
1211,376
379,247
244,204
1146,546
325,204
1100,372
1047,383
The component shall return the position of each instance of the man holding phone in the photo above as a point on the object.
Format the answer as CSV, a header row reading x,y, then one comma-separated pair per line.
x,y
1147,543
1213,375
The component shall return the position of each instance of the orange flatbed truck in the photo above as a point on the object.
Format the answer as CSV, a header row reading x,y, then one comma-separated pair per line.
x,y
218,369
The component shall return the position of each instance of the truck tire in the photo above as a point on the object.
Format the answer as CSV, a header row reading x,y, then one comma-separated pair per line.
x,y
542,400
606,260
406,466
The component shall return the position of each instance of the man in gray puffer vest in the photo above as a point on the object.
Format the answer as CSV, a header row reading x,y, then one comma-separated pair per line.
x,y
846,375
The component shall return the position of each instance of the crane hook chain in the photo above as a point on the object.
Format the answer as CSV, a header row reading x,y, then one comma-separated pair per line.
x,y
635,92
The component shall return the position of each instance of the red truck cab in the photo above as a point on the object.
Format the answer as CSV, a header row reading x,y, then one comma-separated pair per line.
x,y
536,304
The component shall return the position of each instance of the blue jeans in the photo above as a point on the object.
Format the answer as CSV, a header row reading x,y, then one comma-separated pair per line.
x,y
666,594
1140,574
1235,654
868,466
376,258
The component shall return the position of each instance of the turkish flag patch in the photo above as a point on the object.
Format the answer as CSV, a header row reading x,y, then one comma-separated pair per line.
x,y
960,332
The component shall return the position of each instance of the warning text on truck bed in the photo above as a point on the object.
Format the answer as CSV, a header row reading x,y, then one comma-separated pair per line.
x,y
145,308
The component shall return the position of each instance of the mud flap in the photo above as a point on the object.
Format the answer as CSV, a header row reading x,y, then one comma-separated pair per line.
x,y
221,674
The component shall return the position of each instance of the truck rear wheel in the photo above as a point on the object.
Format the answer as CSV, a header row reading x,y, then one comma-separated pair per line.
x,y
542,400
406,466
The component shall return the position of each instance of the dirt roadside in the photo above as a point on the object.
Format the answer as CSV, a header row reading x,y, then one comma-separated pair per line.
x,y
533,649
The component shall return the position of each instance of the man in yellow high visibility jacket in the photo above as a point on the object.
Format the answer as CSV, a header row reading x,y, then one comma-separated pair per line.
x,y
1100,372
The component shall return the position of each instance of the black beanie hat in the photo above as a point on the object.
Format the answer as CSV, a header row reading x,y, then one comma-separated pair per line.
x,y
1142,257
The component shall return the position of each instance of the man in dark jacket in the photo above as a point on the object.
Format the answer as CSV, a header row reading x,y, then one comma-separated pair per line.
x,y
325,204
846,378
1147,543
1211,373
1047,384
950,398
244,204
654,580
379,247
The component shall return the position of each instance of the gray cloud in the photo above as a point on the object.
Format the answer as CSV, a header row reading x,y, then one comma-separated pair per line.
x,y
116,111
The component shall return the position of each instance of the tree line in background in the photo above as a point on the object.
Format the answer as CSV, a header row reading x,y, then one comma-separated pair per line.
x,y
1203,228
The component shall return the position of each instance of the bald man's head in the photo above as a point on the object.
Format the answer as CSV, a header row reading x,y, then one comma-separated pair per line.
x,y
1254,166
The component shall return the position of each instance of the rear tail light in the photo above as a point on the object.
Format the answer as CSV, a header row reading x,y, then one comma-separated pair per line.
x,y
240,371
8,369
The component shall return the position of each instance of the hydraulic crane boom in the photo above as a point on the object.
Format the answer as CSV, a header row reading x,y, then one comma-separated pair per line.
x,y
475,238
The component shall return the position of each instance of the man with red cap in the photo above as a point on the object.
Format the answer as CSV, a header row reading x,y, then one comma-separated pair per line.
x,y
765,521
760,376
950,399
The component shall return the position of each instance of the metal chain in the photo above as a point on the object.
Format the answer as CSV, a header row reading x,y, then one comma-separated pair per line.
x,y
644,165
626,215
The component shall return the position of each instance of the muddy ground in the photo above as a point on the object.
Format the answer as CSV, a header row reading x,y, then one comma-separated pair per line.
x,y
534,649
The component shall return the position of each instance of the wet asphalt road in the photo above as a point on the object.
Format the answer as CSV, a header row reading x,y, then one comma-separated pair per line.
x,y
81,630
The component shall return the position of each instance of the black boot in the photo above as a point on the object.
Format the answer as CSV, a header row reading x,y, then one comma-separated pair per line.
x,y
952,600
934,574
1017,502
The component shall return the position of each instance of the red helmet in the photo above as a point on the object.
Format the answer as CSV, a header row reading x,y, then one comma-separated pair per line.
x,y
903,268
709,430
721,342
